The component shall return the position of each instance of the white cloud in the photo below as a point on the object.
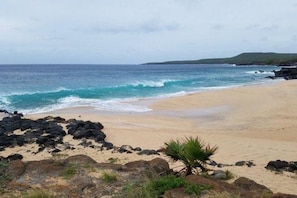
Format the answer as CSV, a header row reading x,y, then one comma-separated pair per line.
x,y
136,31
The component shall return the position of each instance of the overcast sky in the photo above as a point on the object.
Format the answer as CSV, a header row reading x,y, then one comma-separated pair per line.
x,y
138,31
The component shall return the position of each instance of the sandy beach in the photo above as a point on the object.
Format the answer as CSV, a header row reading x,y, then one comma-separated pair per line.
x,y
255,123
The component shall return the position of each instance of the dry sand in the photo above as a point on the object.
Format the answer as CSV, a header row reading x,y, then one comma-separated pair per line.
x,y
255,123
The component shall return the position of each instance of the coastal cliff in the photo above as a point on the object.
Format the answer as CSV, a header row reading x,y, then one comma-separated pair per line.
x,y
254,58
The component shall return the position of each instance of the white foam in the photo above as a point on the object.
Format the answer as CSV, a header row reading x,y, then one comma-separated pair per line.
x,y
116,105
260,72
19,93
4,100
180,93
148,83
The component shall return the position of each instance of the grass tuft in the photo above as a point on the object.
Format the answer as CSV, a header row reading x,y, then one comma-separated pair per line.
x,y
157,187
109,177
229,175
38,194
69,172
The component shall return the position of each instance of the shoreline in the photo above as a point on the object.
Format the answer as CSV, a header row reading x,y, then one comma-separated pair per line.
x,y
254,122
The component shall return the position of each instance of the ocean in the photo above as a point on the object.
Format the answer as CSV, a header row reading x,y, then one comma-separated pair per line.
x,y
42,88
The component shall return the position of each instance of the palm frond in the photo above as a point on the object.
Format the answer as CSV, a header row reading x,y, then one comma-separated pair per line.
x,y
173,149
192,152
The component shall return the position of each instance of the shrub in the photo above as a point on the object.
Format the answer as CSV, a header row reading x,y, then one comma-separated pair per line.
x,y
229,175
69,172
4,176
109,177
113,160
157,187
166,183
38,194
192,152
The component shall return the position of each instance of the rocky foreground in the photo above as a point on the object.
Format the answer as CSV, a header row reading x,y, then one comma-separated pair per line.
x,y
81,176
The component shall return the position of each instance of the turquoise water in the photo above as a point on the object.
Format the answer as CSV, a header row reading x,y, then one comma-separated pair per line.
x,y
43,88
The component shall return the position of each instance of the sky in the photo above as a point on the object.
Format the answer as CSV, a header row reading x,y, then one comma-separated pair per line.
x,y
140,31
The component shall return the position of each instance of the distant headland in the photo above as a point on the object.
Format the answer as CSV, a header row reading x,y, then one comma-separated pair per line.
x,y
251,58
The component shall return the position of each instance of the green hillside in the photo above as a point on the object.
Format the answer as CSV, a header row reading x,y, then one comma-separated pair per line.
x,y
245,59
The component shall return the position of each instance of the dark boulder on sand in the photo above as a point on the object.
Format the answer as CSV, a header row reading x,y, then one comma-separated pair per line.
x,y
86,129
280,165
47,132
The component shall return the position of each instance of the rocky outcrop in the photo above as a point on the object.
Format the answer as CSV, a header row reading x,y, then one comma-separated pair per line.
x,y
242,187
49,134
287,73
81,176
76,175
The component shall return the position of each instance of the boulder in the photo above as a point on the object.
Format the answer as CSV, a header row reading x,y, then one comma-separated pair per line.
x,y
240,163
243,163
277,165
86,129
219,174
280,165
14,157
79,159
160,166
140,164
42,166
287,73
16,168
148,152
107,145
251,186
125,149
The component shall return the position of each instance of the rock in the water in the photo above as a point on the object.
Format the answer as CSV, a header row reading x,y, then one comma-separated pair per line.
x,y
287,73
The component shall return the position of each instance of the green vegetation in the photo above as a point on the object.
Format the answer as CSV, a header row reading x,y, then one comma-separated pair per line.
x,y
38,194
69,172
229,175
109,177
192,152
113,160
245,59
4,176
157,187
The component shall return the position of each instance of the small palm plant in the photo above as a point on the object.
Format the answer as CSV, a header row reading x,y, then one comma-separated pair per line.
x,y
192,152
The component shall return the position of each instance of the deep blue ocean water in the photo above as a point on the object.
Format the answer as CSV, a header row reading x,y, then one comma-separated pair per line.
x,y
42,88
